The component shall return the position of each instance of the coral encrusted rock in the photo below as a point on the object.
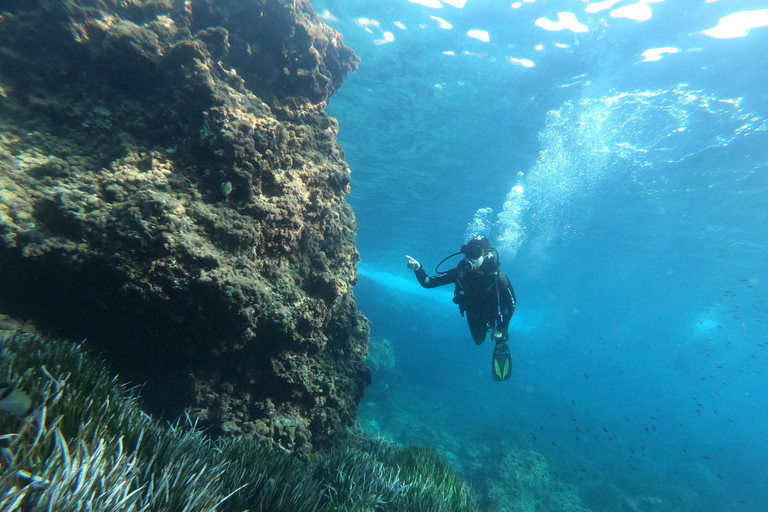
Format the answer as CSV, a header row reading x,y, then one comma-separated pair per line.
x,y
172,190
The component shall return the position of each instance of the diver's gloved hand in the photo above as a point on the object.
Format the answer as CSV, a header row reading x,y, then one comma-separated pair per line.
x,y
499,337
413,264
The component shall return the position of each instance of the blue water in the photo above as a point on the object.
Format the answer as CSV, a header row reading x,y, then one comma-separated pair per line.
x,y
629,201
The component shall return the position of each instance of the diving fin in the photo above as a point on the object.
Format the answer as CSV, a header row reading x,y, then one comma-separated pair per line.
x,y
501,365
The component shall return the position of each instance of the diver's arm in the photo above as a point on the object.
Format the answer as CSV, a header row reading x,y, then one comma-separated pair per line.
x,y
434,281
426,281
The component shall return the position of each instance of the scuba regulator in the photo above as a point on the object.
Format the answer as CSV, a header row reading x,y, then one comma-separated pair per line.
x,y
472,254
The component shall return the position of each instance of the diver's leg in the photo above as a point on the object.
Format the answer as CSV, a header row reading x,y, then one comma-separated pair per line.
x,y
478,327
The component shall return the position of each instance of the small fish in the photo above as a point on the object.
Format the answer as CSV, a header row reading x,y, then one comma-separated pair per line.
x,y
14,402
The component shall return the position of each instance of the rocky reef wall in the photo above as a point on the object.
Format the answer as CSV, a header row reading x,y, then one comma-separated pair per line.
x,y
172,190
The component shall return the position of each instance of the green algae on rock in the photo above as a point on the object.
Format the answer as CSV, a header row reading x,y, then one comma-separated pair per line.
x,y
119,123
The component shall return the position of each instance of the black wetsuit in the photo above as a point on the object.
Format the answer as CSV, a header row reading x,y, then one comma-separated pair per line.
x,y
486,295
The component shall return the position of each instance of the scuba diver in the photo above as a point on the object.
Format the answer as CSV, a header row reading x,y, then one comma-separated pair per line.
x,y
483,292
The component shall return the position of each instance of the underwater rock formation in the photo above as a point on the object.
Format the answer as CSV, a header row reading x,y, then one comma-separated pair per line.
x,y
526,484
172,189
381,356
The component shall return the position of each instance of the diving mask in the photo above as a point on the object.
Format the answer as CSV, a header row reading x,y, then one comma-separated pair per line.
x,y
472,251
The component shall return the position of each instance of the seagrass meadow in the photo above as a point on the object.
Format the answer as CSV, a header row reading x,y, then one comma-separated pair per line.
x,y
87,445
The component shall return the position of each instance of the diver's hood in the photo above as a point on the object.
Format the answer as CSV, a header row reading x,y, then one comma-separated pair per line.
x,y
15,402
